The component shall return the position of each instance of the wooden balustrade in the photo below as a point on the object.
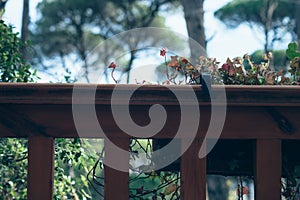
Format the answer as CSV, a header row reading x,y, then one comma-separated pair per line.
x,y
43,112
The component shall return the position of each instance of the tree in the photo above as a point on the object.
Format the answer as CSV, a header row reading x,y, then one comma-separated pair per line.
x,y
275,17
194,17
13,152
63,23
77,26
25,26
297,19
2,7
12,64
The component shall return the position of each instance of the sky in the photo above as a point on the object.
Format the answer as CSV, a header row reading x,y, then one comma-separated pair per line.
x,y
225,42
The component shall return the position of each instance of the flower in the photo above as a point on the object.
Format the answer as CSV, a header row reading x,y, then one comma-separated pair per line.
x,y
163,51
112,65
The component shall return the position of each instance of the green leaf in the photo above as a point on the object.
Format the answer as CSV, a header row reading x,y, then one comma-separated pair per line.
x,y
292,52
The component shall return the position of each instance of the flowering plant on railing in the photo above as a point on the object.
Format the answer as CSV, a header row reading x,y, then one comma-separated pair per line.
x,y
236,71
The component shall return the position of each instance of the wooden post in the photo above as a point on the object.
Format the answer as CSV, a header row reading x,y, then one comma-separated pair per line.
x,y
40,168
193,173
116,183
268,169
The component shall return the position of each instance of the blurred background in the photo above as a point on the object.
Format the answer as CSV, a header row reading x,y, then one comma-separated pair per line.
x,y
65,34
76,40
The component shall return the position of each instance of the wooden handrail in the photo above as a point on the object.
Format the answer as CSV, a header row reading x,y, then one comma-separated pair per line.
x,y
237,95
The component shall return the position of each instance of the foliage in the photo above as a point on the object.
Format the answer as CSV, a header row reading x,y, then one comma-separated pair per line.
x,y
13,152
238,71
71,168
234,72
13,168
292,51
276,18
294,55
2,7
239,11
12,65
279,61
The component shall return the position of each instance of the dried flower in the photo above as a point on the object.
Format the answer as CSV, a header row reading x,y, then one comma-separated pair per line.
x,y
174,62
112,65
163,51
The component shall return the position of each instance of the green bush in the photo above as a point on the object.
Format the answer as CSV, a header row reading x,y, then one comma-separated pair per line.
x,y
12,65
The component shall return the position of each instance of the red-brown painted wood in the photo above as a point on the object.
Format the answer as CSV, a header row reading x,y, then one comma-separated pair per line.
x,y
193,173
116,183
41,93
40,110
57,121
268,170
40,168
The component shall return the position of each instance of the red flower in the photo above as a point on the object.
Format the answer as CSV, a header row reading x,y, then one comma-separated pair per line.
x,y
112,65
163,51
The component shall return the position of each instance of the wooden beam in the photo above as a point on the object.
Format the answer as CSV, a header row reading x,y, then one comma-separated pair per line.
x,y
40,168
268,170
116,182
58,122
193,173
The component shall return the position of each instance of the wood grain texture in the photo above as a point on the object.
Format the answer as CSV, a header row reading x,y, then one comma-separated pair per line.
x,y
40,168
268,170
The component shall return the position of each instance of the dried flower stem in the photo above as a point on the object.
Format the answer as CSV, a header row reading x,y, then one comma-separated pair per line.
x,y
112,75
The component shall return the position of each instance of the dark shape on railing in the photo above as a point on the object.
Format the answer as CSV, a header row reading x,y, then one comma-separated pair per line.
x,y
282,122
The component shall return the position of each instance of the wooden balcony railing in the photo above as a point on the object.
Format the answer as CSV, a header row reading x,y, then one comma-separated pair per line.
x,y
43,112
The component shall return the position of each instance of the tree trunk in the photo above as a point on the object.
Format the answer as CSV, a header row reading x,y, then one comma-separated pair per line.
x,y
2,7
297,19
194,17
25,27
